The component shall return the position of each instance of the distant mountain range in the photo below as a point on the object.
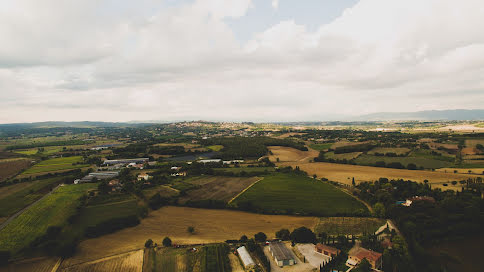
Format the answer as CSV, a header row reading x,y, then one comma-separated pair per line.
x,y
448,115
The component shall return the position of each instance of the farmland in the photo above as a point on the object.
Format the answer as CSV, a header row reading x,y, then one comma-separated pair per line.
x,y
345,172
210,226
320,147
56,164
217,188
50,211
244,169
286,154
10,167
210,258
424,162
342,156
215,147
23,194
296,194
42,264
386,150
129,262
348,225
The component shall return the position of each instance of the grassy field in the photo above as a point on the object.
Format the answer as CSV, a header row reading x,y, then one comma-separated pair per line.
x,y
217,188
48,150
127,262
348,225
95,214
23,194
320,147
343,156
295,194
215,147
56,164
163,190
51,211
211,226
10,167
385,150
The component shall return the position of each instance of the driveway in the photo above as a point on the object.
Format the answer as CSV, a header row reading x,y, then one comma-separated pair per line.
x,y
314,258
298,267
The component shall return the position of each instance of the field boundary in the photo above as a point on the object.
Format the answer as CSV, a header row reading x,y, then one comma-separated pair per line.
x,y
105,258
243,191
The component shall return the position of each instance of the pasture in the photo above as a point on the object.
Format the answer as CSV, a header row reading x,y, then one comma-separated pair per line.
x,y
56,164
321,147
217,188
127,262
348,225
50,211
11,167
23,194
215,148
385,150
296,194
211,226
344,173
342,156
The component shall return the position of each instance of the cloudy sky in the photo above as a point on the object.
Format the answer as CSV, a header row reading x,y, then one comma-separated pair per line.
x,y
258,60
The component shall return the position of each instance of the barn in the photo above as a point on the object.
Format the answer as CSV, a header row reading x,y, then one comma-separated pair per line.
x,y
281,254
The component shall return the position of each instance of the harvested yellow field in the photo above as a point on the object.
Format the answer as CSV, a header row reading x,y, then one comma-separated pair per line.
x,y
479,171
127,262
43,264
210,226
345,172
289,154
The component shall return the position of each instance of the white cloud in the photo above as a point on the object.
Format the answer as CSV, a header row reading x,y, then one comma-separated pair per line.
x,y
275,4
90,60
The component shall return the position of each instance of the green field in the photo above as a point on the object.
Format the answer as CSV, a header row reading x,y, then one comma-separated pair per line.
x,y
296,194
95,214
56,164
342,156
48,150
12,203
215,147
385,150
321,147
50,211
348,225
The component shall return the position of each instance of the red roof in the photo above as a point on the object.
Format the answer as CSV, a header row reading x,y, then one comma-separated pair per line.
x,y
370,255
328,249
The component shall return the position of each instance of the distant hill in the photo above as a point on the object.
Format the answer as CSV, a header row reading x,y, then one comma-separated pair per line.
x,y
457,115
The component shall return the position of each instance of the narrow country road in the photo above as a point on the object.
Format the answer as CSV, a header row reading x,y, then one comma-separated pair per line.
x,y
4,224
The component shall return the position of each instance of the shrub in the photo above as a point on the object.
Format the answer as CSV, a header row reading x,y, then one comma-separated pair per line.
x,y
167,242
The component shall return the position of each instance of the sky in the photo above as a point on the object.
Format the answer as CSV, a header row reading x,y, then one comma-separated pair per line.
x,y
237,60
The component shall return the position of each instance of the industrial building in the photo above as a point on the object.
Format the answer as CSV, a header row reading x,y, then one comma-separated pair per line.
x,y
244,255
98,175
281,254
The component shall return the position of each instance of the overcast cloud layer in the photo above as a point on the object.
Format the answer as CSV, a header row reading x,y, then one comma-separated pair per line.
x,y
181,60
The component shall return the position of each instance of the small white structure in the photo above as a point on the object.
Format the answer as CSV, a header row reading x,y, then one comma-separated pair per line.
x,y
244,255
175,168
210,161
143,177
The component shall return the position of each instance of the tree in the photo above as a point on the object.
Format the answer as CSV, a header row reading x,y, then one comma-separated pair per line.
x,y
303,235
363,266
379,210
283,234
167,242
243,239
353,182
149,243
4,257
260,237
412,166
103,187
191,229
251,245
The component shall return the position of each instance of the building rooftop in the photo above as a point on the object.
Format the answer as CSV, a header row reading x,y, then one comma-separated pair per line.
x,y
245,256
363,253
328,249
280,251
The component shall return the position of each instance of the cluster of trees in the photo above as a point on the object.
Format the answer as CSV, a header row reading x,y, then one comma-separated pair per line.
x,y
391,154
253,147
364,147
112,225
452,215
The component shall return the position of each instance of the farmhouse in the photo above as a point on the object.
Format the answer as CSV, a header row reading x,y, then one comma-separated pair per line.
x,y
327,250
244,255
126,161
361,253
409,201
281,254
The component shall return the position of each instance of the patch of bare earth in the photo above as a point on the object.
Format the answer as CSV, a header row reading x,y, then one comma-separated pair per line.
x,y
289,154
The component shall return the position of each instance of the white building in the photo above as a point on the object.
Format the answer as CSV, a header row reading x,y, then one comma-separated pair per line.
x,y
244,255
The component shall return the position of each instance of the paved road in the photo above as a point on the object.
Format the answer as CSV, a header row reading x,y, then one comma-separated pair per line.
x,y
4,224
